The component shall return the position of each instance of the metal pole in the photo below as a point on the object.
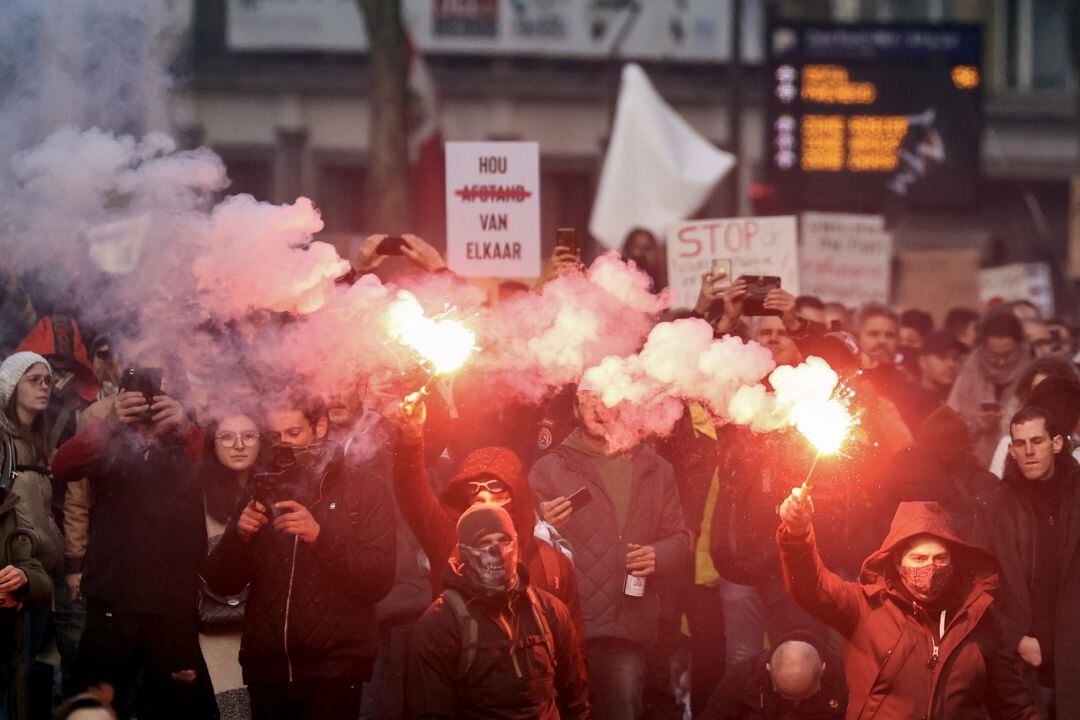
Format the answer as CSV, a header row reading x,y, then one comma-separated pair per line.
x,y
735,101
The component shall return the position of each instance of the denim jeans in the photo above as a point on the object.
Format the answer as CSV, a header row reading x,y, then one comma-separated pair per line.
x,y
616,679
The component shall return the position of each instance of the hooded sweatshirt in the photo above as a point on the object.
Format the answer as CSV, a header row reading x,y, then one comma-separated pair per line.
x,y
898,662
434,519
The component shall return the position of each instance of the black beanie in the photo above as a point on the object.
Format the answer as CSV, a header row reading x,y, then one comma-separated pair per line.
x,y
481,520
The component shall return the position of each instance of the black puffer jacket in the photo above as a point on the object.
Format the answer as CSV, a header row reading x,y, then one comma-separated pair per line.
x,y
311,609
515,673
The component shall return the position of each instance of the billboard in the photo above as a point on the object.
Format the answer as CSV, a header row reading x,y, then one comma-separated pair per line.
x,y
696,31
865,117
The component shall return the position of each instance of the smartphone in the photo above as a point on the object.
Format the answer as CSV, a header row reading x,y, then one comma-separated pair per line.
x,y
391,245
567,238
991,407
721,273
579,498
757,287
145,380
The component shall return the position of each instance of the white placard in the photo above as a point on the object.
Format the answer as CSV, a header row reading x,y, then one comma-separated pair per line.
x,y
755,245
493,209
845,258
1019,281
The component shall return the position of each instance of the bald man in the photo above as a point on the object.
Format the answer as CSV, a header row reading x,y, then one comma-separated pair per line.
x,y
791,681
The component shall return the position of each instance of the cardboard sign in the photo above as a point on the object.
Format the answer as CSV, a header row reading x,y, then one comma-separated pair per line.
x,y
755,246
493,209
938,280
845,258
1019,281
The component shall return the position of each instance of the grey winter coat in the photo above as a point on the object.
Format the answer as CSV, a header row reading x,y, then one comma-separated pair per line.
x,y
655,519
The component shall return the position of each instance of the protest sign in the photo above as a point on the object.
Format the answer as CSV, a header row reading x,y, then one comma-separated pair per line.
x,y
755,246
937,280
493,209
845,258
1019,281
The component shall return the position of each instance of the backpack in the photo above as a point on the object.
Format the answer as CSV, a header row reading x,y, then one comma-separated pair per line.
x,y
10,466
470,629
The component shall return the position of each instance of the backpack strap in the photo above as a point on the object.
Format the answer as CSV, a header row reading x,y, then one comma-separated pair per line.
x,y
542,623
7,467
470,630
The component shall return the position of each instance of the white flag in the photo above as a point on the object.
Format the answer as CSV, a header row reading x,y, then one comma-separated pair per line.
x,y
658,169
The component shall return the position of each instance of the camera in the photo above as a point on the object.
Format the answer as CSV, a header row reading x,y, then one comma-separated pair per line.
x,y
757,288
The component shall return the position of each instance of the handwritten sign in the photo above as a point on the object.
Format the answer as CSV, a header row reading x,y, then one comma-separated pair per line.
x,y
1019,281
755,246
845,258
493,209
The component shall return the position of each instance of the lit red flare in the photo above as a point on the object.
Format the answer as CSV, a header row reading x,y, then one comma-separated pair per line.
x,y
445,344
825,423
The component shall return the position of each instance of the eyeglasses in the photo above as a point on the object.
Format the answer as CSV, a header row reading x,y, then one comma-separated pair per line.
x,y
492,486
42,380
229,440
104,354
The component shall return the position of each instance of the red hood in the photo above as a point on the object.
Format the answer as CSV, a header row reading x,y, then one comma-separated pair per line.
x,y
927,518
502,463
60,338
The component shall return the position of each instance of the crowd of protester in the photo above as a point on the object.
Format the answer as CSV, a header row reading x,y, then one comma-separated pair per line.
x,y
363,554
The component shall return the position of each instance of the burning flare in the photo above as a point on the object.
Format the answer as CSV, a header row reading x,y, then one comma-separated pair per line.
x,y
825,423
444,344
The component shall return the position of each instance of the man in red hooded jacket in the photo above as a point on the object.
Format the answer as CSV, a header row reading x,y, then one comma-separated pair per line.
x,y
919,641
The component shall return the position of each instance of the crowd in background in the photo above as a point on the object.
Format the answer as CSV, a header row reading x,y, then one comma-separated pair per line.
x,y
364,554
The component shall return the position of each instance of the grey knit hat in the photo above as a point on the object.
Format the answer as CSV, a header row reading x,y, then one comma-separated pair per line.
x,y
12,370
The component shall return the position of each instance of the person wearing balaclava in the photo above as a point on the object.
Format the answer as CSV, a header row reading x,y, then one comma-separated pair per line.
x,y
492,645
919,638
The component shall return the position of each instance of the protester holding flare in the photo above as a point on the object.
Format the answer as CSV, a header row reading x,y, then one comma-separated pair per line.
x,y
919,638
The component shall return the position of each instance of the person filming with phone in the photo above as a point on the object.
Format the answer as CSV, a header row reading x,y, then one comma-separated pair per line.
x,y
771,309
316,542
140,573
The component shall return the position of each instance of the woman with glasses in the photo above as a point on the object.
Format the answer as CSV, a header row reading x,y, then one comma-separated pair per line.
x,y
234,445
30,543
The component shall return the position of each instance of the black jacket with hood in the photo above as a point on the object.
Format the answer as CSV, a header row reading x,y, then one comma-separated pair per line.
x,y
515,674
311,608
434,519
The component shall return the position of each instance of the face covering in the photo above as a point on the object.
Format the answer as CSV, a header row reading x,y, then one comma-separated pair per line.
x,y
928,581
492,568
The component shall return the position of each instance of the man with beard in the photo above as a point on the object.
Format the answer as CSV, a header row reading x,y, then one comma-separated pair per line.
x,y
316,544
1035,530
492,645
988,378
631,531
919,638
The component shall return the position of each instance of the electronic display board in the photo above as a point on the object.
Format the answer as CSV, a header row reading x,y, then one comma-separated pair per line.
x,y
862,117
